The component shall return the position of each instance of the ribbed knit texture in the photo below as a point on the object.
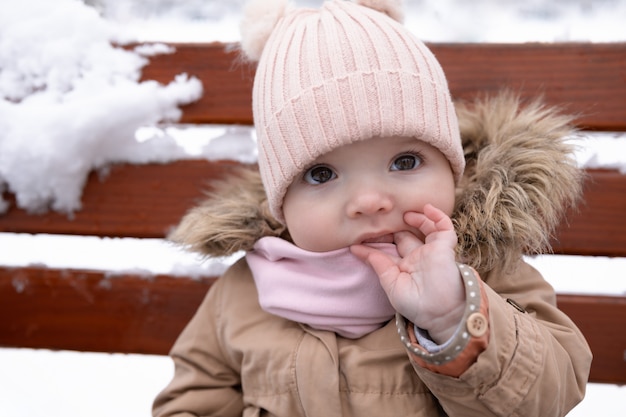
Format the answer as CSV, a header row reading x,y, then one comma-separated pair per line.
x,y
342,74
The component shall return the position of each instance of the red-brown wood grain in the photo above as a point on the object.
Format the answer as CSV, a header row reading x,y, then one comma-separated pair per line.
x,y
583,79
602,320
586,79
131,200
227,81
148,200
598,225
95,311
88,311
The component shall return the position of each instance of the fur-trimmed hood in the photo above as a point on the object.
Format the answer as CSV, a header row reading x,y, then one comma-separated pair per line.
x,y
519,181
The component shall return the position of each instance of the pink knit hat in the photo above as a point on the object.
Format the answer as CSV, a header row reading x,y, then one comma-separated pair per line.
x,y
336,75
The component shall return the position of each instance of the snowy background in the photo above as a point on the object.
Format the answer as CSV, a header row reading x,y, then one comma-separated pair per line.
x,y
62,81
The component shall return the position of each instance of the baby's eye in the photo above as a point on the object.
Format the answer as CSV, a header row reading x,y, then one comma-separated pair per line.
x,y
405,162
319,175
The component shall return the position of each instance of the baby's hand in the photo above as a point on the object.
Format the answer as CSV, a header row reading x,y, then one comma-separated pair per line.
x,y
424,283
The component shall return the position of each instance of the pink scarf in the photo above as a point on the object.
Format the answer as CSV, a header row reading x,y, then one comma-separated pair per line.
x,y
332,291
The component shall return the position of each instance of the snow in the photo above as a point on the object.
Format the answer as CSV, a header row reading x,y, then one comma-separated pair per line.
x,y
71,101
38,383
139,256
603,150
431,20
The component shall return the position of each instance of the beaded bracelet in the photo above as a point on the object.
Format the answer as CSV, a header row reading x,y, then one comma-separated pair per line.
x,y
476,324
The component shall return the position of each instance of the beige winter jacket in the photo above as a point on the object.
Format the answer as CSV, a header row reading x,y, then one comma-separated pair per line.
x,y
234,359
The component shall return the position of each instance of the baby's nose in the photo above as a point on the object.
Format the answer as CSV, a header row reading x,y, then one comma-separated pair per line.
x,y
368,201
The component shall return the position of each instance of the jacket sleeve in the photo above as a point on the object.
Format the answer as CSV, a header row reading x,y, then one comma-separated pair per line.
x,y
205,381
536,362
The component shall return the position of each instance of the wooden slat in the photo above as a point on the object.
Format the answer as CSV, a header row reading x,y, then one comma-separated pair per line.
x,y
602,320
598,226
148,200
586,79
227,81
132,200
86,311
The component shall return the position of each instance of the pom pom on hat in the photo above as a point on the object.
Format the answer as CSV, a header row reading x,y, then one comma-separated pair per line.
x,y
392,8
259,19
261,16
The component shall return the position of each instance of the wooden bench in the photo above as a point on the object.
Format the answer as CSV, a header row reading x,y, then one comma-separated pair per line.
x,y
72,309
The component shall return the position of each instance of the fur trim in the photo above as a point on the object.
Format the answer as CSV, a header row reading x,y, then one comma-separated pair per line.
x,y
519,181
232,218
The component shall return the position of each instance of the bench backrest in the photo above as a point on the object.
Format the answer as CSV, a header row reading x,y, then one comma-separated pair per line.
x,y
72,309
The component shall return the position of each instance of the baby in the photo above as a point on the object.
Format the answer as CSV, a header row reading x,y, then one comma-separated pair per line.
x,y
355,296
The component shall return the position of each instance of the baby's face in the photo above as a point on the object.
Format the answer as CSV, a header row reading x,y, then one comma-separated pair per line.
x,y
359,193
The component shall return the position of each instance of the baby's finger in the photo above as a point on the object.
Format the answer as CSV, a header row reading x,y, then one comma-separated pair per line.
x,y
419,221
406,242
431,221
441,220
